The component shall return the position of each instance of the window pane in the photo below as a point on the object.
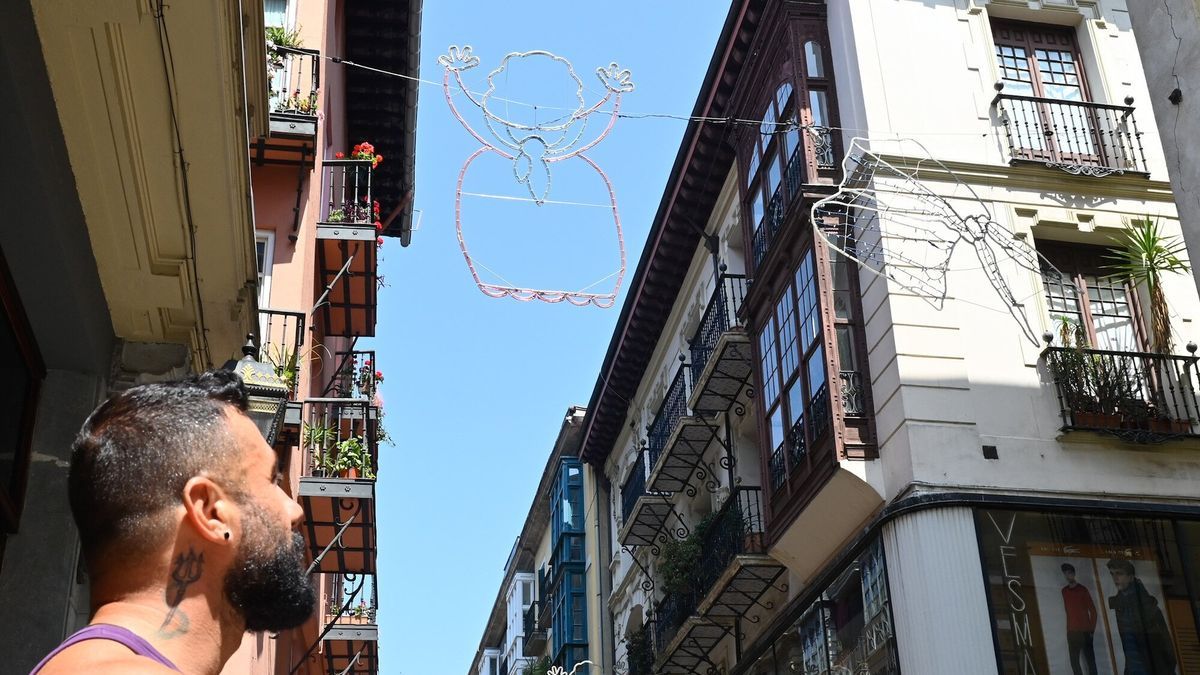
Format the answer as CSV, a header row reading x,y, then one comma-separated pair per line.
x,y
840,268
785,319
769,365
776,428
795,396
820,110
813,59
816,371
1111,315
756,206
771,163
752,167
806,289
274,12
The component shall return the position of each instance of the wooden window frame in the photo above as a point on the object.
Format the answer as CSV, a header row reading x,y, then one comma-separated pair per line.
x,y
1077,260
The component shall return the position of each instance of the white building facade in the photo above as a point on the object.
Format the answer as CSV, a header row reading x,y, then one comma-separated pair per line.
x,y
972,453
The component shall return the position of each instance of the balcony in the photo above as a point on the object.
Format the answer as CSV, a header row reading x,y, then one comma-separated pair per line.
x,y
644,515
722,362
355,376
346,250
337,483
1136,396
677,441
535,633
280,339
731,577
1078,137
351,636
293,88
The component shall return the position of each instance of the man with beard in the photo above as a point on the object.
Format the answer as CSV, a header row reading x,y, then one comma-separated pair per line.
x,y
188,537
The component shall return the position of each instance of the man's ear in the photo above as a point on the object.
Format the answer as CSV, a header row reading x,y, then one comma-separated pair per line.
x,y
208,510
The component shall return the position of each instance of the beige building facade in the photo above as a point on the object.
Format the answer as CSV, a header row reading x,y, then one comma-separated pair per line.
x,y
876,440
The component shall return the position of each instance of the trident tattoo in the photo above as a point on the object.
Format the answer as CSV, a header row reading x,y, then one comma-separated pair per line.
x,y
185,571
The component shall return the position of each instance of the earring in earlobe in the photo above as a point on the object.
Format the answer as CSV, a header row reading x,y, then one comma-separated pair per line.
x,y
226,535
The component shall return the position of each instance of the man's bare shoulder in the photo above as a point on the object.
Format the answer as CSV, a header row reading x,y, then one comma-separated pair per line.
x,y
100,657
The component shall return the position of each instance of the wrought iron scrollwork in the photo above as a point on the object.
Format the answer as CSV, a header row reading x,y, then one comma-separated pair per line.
x,y
1093,170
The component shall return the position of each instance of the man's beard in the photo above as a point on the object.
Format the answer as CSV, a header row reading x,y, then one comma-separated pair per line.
x,y
267,583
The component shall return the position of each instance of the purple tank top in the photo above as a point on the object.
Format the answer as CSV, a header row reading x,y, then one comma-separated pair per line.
x,y
104,631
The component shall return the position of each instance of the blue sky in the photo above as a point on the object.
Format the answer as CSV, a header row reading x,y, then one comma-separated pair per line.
x,y
476,388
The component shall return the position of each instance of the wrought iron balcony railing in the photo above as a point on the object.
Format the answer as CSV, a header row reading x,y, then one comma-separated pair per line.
x,y
1138,396
852,392
347,188
719,316
673,409
295,80
354,600
355,376
534,631
338,438
736,529
280,339
1082,138
669,615
635,485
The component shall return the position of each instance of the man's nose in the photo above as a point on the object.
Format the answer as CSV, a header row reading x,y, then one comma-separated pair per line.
x,y
295,513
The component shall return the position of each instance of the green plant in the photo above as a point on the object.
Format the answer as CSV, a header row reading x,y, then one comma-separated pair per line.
x,y
285,362
1142,257
538,667
319,439
679,558
278,36
352,454
639,654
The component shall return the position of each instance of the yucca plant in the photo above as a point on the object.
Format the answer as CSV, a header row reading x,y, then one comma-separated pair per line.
x,y
1142,257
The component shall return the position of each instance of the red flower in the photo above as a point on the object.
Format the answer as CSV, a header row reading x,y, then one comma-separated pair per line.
x,y
378,226
367,363
339,155
378,242
379,376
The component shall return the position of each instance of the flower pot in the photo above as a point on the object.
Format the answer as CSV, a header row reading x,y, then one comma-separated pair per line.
x,y
1093,420
348,473
1181,426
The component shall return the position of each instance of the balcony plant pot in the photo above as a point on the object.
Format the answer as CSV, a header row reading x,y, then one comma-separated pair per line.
x,y
1181,426
1095,420
351,472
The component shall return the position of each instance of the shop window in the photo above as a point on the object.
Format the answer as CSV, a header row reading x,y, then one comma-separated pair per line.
x,y
847,628
1071,590
21,363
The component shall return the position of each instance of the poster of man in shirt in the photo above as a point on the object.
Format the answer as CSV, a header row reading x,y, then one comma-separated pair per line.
x,y
1092,627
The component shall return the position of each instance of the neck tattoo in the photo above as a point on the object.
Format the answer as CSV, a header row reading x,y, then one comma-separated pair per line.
x,y
185,571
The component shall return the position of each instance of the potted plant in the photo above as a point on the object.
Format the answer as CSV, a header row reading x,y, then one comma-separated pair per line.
x,y
353,459
318,439
1143,257
278,36
537,667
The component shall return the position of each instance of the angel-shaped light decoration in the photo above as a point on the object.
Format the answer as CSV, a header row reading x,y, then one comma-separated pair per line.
x,y
559,670
533,149
895,226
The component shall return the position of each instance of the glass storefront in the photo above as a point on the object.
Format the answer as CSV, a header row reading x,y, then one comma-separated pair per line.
x,y
847,629
1096,595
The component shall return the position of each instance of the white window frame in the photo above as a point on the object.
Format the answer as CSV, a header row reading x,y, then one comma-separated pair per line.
x,y
266,237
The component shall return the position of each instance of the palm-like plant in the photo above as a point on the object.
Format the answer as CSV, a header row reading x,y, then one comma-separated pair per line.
x,y
1142,257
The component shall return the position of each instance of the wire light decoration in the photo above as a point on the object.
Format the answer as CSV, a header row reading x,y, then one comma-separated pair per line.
x,y
533,149
892,224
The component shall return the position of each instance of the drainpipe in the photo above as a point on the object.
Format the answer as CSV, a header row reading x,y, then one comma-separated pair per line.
x,y
604,572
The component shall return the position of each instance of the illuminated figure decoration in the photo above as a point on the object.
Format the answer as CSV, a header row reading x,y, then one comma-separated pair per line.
x,y
533,149
893,225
